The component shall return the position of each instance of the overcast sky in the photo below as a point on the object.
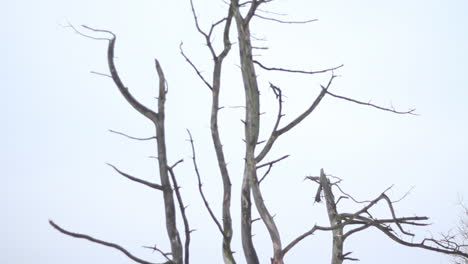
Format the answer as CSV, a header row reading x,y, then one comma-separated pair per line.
x,y
55,116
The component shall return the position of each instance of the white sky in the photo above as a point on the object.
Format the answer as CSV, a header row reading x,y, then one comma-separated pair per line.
x,y
55,143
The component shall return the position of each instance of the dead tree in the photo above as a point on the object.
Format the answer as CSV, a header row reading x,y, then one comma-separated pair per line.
x,y
342,225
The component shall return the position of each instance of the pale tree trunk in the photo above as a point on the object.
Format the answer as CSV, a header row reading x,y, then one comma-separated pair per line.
x,y
252,128
337,247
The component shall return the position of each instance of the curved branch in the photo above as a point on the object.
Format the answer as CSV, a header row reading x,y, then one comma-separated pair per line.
x,y
130,177
278,132
295,71
306,234
101,242
421,245
130,137
118,82
411,111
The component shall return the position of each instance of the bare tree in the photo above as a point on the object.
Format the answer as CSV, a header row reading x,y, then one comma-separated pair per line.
x,y
239,15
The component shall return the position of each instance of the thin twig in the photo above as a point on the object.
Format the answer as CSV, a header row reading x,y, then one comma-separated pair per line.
x,y
200,189
89,36
195,68
101,74
285,21
296,71
272,162
411,111
130,137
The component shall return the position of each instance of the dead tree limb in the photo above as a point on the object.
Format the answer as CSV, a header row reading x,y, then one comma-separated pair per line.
x,y
285,21
195,68
278,132
411,111
296,71
339,221
182,209
130,137
252,123
164,254
101,242
135,179
171,225
333,216
215,87
200,186
270,165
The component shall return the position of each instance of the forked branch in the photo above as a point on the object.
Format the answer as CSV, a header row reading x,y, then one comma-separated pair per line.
x,y
278,132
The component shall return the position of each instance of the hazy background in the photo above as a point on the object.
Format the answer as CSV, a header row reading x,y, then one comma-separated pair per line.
x,y
55,116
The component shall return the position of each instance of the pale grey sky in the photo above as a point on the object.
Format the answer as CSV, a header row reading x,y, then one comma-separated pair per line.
x,y
409,54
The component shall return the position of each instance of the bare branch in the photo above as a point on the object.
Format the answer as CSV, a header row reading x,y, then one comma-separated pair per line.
x,y
253,8
309,110
182,212
411,111
118,82
295,71
200,189
306,234
130,177
177,163
115,75
270,165
169,204
383,196
271,13
195,68
130,137
446,250
101,242
207,36
355,230
284,21
265,174
345,257
89,36
272,162
213,26
278,132
195,18
101,74
164,254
